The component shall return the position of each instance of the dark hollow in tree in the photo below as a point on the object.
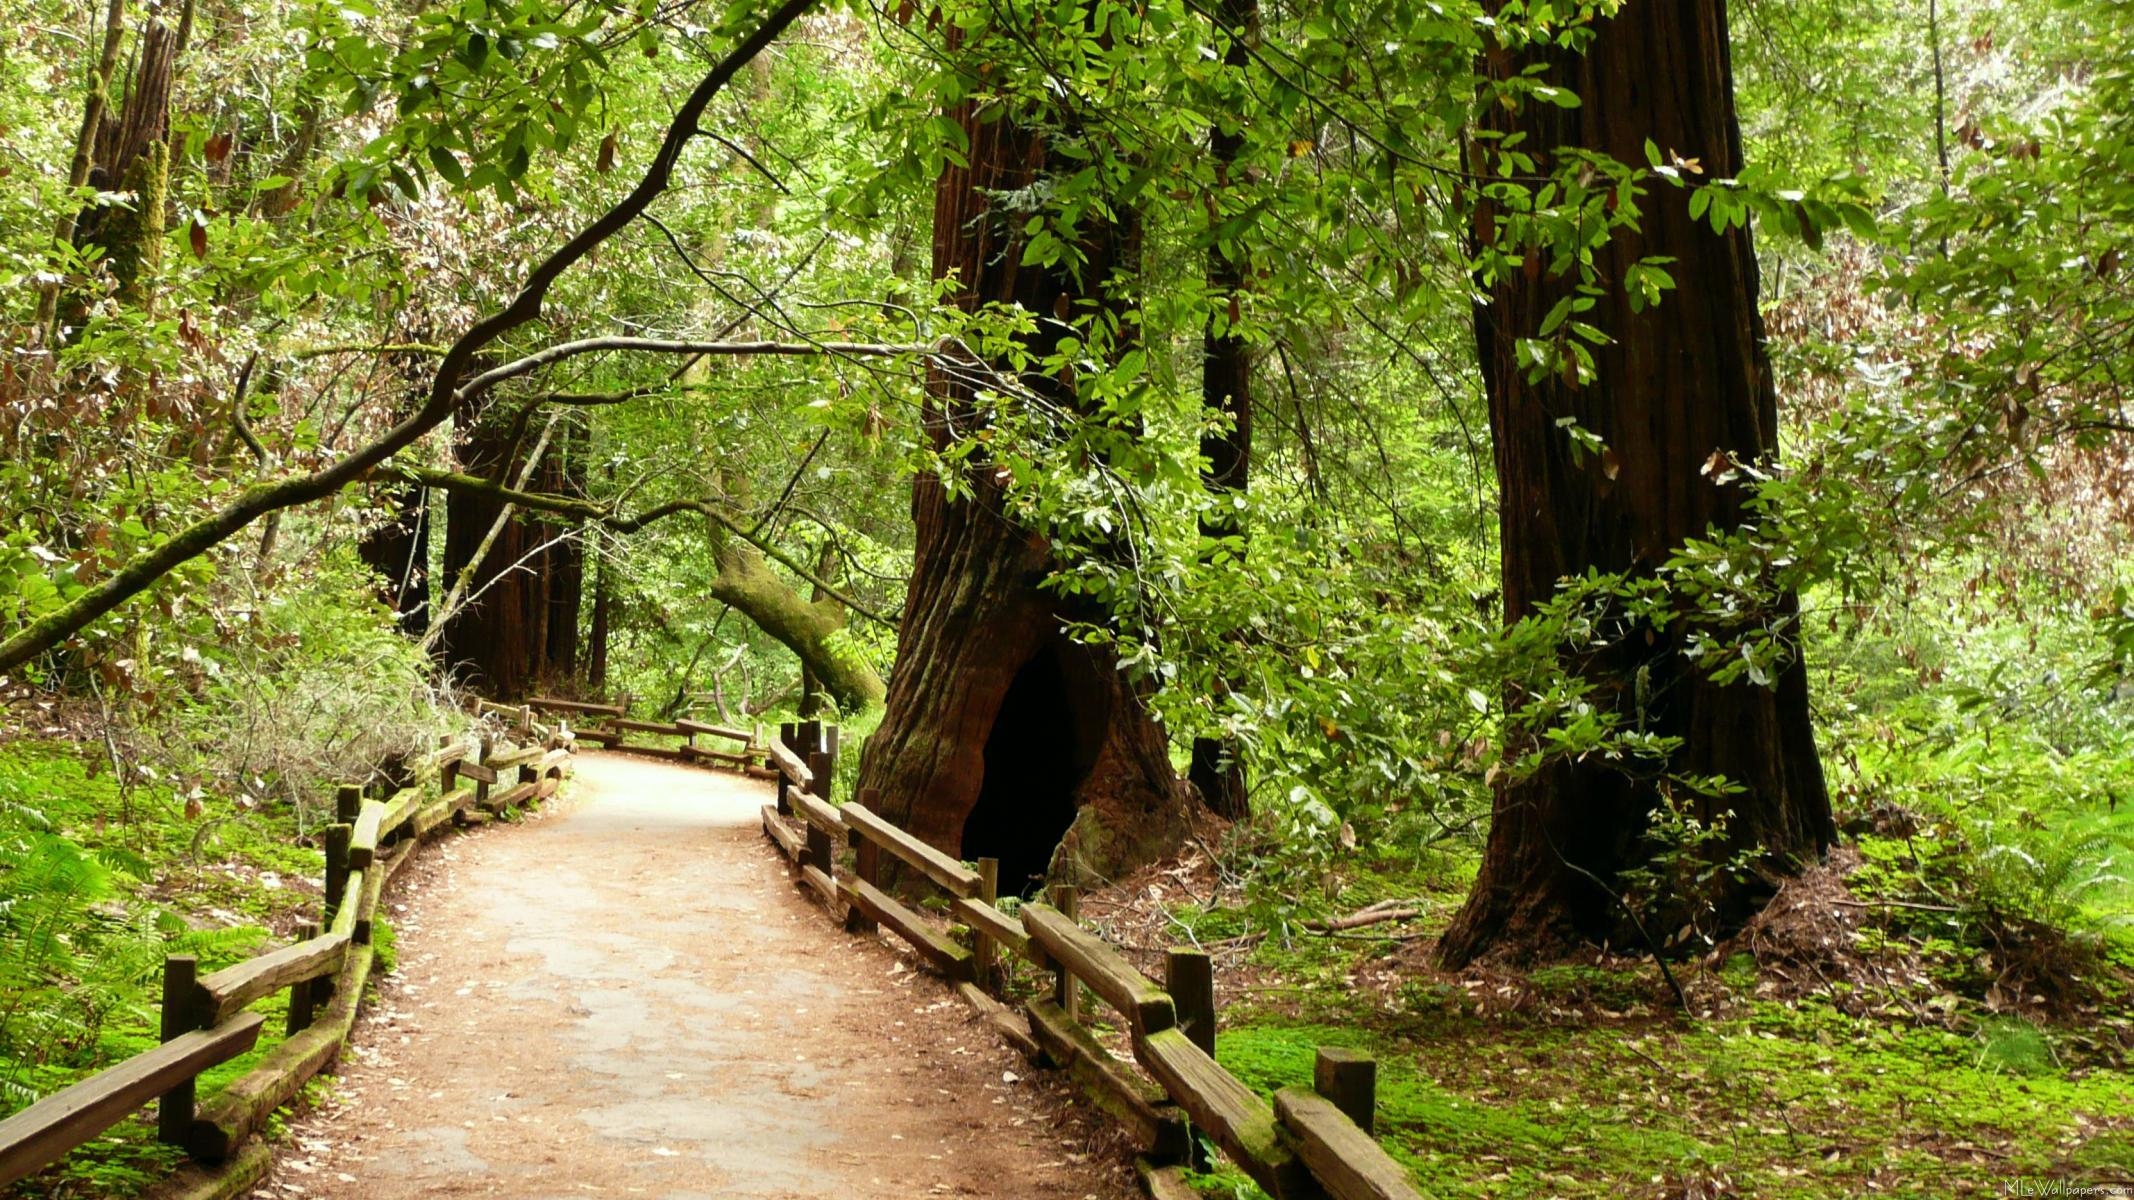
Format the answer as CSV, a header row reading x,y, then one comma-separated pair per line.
x,y
976,624
1680,382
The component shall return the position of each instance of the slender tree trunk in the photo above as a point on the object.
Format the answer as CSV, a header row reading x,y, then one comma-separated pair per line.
x,y
1226,388
1002,737
596,638
1680,383
398,551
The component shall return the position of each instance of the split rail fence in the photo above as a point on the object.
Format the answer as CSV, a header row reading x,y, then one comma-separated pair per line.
x,y
610,726
1309,1143
204,1018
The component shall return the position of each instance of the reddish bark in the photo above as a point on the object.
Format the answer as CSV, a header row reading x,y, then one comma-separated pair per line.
x,y
1680,382
998,729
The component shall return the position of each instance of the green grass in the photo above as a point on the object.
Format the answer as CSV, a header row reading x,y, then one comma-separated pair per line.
x,y
224,882
1778,1100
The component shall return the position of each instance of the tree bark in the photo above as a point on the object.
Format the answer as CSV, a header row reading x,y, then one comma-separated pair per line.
x,y
492,643
1679,383
1003,737
1226,389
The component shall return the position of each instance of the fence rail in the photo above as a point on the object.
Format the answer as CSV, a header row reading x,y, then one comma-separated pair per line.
x,y
613,725
204,1019
1306,1145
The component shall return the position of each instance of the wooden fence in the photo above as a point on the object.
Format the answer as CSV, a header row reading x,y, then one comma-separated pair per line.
x,y
1309,1143
204,1018
611,726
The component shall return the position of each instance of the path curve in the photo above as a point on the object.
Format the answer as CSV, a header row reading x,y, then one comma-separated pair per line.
x,y
626,997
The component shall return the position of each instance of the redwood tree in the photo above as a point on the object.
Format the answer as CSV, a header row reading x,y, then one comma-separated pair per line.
x,y
1677,385
1000,732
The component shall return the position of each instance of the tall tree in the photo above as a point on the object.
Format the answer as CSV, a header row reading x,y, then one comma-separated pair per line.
x,y
1003,736
1226,389
1679,389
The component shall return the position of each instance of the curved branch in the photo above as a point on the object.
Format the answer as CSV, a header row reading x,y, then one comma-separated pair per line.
x,y
604,516
563,350
142,571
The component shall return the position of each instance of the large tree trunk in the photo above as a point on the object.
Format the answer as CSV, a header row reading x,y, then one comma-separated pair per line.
x,y
1679,383
1002,737
492,643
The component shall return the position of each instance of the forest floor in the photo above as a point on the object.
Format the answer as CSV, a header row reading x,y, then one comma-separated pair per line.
x,y
1579,1080
627,997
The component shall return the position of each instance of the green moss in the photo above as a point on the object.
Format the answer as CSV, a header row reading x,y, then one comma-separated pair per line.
x,y
1796,1101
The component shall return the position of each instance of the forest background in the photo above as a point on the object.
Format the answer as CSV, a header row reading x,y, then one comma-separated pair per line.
x,y
238,239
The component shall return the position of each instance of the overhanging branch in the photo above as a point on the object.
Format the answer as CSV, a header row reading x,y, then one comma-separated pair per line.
x,y
605,516
557,353
446,393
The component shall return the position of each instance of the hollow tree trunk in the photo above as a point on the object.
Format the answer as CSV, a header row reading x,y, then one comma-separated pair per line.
x,y
1001,736
1679,383
1226,388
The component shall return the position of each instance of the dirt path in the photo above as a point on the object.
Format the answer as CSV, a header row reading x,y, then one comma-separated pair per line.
x,y
626,997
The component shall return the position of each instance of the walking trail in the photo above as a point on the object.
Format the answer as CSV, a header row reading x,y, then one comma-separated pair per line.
x,y
626,997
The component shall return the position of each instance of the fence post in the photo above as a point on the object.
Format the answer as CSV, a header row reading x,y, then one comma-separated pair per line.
x,y
481,787
181,1015
303,991
1189,975
1066,992
1348,1078
866,866
985,961
786,738
337,837
348,803
819,852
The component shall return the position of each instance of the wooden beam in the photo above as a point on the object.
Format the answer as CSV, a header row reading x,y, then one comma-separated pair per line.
x,y
1165,1182
398,810
228,991
740,735
478,772
1011,1025
995,924
440,810
509,796
819,813
953,876
1348,1161
787,838
636,726
576,706
1141,1106
344,912
507,759
1349,1078
363,840
233,1113
814,877
1092,960
789,764
1228,1111
933,945
41,1134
